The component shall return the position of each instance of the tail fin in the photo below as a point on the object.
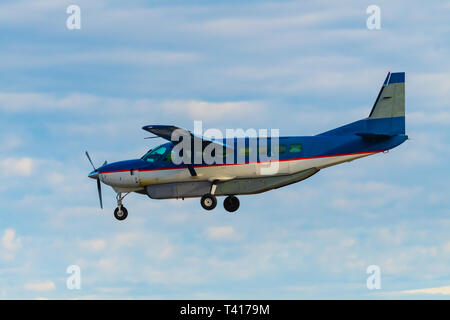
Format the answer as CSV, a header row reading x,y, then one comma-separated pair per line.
x,y
387,117
390,102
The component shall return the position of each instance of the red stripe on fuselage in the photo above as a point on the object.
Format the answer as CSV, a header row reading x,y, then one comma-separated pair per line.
x,y
236,164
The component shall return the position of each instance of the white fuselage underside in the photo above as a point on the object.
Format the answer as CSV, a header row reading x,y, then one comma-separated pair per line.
x,y
127,181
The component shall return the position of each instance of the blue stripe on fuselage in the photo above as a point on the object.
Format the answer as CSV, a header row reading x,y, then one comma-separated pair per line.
x,y
311,147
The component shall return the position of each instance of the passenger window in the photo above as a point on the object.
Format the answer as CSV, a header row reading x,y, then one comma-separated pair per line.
x,y
281,148
168,158
245,151
222,152
295,148
263,151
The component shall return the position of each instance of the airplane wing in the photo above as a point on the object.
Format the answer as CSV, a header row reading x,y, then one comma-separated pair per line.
x,y
165,132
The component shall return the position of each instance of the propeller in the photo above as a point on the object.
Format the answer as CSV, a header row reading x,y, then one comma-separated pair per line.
x,y
89,158
99,185
99,189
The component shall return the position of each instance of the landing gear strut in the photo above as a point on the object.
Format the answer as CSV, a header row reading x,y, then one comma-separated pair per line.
x,y
120,213
231,203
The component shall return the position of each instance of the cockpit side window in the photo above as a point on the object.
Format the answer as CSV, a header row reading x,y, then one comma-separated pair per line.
x,y
155,154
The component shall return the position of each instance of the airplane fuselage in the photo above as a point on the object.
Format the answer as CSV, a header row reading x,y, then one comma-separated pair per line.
x,y
296,154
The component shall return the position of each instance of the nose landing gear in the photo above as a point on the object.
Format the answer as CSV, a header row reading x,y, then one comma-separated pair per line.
x,y
120,213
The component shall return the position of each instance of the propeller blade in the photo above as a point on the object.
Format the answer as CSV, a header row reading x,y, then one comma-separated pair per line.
x,y
89,158
99,189
105,163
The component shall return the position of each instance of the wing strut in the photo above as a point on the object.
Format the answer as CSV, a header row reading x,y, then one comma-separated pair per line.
x,y
192,170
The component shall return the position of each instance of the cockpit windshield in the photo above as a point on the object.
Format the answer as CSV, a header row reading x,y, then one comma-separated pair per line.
x,y
157,153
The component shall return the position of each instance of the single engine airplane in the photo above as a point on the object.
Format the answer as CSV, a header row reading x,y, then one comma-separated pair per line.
x,y
298,157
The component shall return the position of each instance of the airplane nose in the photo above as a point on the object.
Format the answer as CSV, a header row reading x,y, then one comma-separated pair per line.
x,y
93,174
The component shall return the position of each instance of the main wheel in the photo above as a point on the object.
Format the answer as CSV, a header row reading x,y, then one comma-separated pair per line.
x,y
208,201
231,203
121,214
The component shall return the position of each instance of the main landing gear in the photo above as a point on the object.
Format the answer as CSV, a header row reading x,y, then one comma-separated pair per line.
x,y
120,213
209,202
231,203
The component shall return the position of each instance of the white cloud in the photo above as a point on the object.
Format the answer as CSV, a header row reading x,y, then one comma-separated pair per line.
x,y
55,178
370,194
432,117
124,56
204,110
166,252
16,166
446,248
127,239
40,286
437,290
431,89
10,142
30,101
110,265
79,103
244,27
221,233
10,241
94,245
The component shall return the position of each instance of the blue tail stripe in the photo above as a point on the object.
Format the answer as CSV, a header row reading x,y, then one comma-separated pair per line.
x,y
397,77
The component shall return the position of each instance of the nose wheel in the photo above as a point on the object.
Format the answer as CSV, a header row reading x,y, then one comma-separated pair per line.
x,y
120,213
231,203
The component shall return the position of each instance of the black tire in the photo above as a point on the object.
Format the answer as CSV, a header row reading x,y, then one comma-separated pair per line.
x,y
122,216
208,201
231,203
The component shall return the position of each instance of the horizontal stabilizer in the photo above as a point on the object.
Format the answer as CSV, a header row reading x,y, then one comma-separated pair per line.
x,y
374,137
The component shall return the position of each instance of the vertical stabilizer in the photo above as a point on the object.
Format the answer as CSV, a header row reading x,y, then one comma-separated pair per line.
x,y
387,117
390,102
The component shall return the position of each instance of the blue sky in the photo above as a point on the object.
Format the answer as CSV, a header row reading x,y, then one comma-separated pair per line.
x,y
302,67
